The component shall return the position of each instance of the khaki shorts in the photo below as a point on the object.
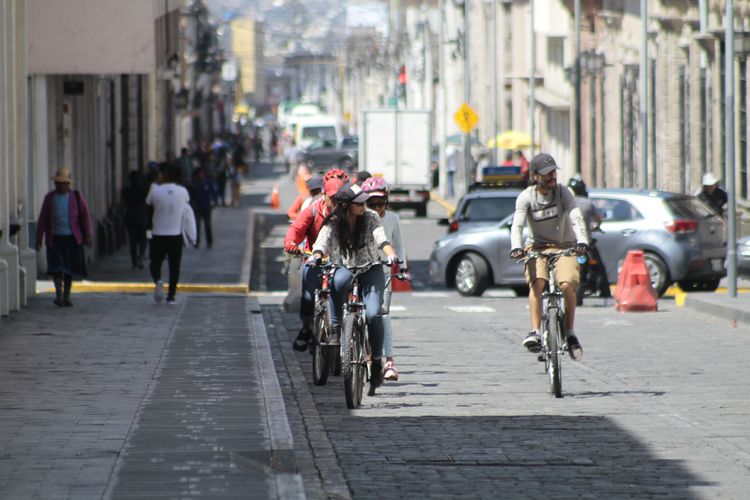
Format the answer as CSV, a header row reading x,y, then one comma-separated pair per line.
x,y
566,269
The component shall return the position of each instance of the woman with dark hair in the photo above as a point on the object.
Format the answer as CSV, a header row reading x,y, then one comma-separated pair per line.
x,y
353,236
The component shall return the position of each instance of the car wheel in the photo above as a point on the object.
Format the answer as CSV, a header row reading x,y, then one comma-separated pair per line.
x,y
472,275
658,271
521,291
709,285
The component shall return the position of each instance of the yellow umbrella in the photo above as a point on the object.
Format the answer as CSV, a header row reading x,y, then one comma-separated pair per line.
x,y
510,139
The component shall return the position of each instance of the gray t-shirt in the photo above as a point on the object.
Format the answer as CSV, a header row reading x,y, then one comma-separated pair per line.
x,y
554,219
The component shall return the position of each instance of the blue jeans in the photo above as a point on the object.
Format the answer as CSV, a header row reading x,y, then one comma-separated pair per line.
x,y
371,288
312,279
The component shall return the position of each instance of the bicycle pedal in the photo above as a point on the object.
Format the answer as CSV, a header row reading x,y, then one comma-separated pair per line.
x,y
540,357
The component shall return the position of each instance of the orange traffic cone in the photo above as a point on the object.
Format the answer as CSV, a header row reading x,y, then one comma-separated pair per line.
x,y
275,197
398,285
634,292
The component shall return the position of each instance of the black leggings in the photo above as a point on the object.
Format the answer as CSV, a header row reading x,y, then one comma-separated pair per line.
x,y
171,247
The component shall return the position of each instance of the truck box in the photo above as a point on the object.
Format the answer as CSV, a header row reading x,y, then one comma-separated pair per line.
x,y
395,144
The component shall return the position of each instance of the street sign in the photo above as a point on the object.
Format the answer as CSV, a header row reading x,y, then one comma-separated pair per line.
x,y
466,118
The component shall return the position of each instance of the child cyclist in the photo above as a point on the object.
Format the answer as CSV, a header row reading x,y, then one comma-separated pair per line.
x,y
378,190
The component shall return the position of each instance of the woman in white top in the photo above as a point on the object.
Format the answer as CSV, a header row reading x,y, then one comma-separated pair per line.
x,y
354,236
378,190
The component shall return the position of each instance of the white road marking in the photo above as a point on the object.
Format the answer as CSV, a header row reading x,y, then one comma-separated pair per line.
x,y
471,309
431,294
397,309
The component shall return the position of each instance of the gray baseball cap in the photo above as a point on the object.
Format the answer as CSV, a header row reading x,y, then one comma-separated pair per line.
x,y
542,164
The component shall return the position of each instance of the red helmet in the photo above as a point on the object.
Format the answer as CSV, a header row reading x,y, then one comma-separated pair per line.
x,y
336,173
375,186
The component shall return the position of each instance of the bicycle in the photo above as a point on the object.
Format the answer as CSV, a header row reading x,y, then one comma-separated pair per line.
x,y
553,321
355,343
325,354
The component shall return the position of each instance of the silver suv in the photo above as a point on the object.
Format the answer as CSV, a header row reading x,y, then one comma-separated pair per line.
x,y
682,239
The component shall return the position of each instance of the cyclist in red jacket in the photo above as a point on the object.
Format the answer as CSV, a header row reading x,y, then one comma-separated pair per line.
x,y
305,229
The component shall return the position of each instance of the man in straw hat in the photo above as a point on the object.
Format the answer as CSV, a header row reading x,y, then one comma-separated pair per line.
x,y
65,225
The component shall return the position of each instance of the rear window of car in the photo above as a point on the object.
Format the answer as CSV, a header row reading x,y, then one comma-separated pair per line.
x,y
689,208
488,209
611,210
350,141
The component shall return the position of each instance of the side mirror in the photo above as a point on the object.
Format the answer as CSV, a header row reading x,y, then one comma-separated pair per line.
x,y
443,222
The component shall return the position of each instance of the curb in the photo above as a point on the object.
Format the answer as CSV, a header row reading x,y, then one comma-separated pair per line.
x,y
122,287
448,206
728,309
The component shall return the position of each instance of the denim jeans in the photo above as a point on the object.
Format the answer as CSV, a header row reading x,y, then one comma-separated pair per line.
x,y
371,288
312,279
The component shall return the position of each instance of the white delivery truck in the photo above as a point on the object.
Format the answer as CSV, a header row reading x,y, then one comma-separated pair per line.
x,y
395,144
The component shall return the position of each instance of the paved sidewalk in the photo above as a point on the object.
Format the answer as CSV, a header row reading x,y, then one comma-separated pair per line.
x,y
118,397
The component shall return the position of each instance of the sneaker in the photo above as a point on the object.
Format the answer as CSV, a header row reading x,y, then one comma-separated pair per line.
x,y
389,371
302,340
159,292
533,342
574,347
171,301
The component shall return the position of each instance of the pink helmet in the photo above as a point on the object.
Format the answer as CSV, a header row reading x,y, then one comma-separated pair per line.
x,y
376,186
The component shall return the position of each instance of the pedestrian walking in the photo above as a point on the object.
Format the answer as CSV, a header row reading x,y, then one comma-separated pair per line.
x,y
451,163
136,218
168,201
65,225
185,162
204,194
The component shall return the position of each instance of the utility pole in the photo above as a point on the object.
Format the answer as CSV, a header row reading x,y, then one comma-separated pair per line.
x,y
729,146
532,81
494,81
644,95
577,14
467,96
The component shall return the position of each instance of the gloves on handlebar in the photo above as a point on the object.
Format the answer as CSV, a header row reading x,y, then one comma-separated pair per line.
x,y
392,259
516,253
291,247
581,248
314,260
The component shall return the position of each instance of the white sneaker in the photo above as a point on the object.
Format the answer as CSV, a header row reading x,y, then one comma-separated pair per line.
x,y
159,292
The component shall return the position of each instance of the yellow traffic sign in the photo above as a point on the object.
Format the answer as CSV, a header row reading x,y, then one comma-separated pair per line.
x,y
466,118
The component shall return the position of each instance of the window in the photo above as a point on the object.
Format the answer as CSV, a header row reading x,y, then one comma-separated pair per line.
x,y
615,210
488,209
324,132
556,51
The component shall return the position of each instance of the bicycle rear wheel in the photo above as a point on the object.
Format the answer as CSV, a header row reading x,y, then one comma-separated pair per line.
x,y
552,345
321,364
349,361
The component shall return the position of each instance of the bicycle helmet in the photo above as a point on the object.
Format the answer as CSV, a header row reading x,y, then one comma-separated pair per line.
x,y
577,185
376,186
336,173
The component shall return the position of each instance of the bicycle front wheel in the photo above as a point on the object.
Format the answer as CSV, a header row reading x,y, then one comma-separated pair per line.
x,y
350,360
553,333
321,358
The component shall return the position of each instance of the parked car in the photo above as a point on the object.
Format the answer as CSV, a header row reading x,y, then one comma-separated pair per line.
x,y
482,208
330,153
743,256
682,239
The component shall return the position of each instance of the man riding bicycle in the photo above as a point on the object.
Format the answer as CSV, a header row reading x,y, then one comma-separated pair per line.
x,y
555,223
305,228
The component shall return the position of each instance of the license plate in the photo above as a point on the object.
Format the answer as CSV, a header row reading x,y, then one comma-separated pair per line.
x,y
717,264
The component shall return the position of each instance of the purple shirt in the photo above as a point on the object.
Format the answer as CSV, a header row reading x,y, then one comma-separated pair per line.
x,y
78,213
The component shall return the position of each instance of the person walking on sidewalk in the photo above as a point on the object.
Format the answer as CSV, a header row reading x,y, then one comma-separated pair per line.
x,y
168,202
134,200
204,192
305,228
65,225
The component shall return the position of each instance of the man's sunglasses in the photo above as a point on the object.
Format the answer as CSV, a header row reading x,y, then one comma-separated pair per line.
x,y
378,203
